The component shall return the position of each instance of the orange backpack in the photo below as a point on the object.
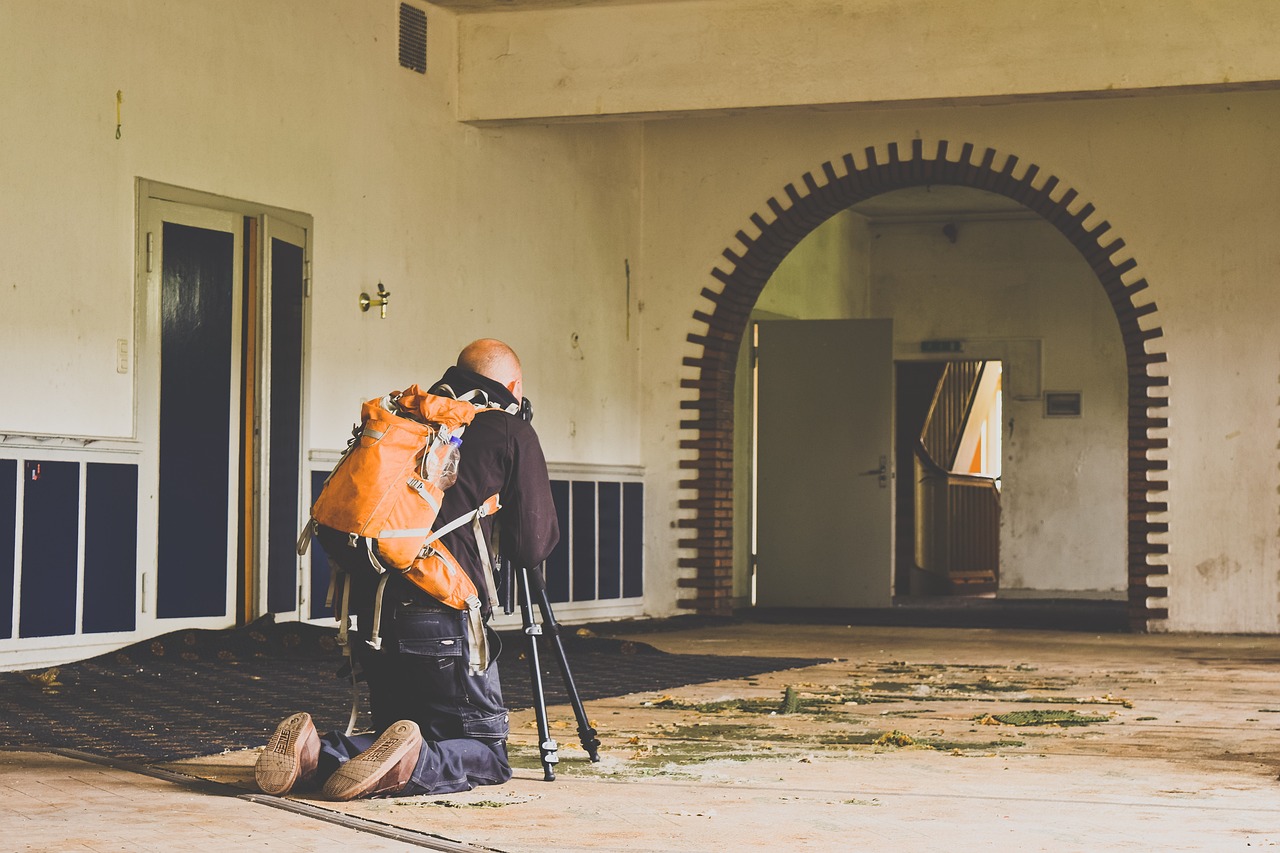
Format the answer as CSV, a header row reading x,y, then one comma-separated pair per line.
x,y
386,487
386,491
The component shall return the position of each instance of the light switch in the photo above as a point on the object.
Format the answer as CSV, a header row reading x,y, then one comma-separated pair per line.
x,y
122,355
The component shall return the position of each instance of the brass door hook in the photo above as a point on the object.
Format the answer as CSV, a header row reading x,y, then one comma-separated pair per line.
x,y
384,296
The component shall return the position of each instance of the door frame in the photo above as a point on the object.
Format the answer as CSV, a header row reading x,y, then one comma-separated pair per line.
x,y
247,572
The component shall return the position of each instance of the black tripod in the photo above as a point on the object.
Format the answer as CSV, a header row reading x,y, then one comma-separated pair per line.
x,y
531,584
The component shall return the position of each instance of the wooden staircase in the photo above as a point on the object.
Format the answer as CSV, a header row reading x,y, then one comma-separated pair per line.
x,y
956,516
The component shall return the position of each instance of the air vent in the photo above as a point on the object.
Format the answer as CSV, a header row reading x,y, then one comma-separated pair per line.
x,y
413,38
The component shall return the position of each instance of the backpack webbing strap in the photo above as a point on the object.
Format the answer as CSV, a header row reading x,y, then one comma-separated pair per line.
x,y
375,635
476,397
477,639
304,542
431,536
344,639
486,567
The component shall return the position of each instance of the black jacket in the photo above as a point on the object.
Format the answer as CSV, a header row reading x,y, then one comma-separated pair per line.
x,y
501,455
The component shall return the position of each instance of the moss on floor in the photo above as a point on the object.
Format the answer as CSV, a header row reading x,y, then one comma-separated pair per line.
x,y
1041,717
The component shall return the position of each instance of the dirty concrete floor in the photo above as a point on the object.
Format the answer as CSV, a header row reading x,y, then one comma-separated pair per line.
x,y
905,739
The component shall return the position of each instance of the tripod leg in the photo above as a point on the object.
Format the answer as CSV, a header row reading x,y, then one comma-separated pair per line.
x,y
586,733
546,745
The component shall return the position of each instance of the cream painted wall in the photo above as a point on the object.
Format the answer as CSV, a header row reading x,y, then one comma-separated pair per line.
x,y
521,233
1021,279
1185,181
825,277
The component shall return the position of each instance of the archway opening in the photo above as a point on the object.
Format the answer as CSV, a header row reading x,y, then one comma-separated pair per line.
x,y
753,262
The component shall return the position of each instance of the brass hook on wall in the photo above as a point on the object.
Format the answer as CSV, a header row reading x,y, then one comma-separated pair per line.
x,y
384,296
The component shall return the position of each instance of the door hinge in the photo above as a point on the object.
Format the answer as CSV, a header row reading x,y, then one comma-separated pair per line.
x,y
306,279
151,250
144,592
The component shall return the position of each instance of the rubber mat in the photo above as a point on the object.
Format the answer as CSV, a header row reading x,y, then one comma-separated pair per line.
x,y
193,693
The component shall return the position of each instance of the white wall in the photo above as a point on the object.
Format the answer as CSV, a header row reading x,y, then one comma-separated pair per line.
x,y
520,233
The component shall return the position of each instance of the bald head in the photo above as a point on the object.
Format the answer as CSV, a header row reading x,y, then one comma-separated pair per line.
x,y
494,360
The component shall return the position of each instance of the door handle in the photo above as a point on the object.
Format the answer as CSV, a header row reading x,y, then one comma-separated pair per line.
x,y
882,472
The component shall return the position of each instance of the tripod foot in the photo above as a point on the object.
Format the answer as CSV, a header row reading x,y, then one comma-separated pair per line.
x,y
587,736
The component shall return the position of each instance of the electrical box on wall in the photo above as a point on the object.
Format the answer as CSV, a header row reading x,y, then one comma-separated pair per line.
x,y
1062,404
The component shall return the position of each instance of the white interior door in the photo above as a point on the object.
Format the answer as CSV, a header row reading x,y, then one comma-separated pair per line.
x,y
189,363
824,463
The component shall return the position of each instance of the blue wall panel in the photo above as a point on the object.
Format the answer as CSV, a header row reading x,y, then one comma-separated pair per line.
x,y
321,571
8,541
632,540
557,565
50,544
583,536
609,525
110,547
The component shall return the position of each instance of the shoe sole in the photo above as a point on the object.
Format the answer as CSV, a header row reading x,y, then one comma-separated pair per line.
x,y
279,767
366,774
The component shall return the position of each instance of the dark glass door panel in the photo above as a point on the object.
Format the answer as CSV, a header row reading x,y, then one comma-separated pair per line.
x,y
196,304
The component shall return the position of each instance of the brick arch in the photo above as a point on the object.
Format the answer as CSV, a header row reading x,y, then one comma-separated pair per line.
x,y
709,531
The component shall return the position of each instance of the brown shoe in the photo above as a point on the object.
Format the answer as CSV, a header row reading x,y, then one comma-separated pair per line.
x,y
289,757
383,768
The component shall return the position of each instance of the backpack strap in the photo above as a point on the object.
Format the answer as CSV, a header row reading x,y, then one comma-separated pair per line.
x,y
478,398
375,630
486,567
489,507
477,639
343,615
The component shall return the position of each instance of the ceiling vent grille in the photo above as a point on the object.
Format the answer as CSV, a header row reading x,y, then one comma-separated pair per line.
x,y
413,38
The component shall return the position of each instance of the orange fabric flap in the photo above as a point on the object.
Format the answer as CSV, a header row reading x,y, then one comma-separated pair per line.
x,y
435,409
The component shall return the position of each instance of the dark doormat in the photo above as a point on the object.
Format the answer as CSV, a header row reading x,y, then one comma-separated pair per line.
x,y
193,693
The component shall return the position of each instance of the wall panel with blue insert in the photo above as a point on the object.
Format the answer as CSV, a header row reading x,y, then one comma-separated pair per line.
x,y
8,541
609,550
110,547
321,570
557,565
583,535
632,540
50,545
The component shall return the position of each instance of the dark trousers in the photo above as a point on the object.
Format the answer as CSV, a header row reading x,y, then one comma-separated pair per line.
x,y
444,766
421,674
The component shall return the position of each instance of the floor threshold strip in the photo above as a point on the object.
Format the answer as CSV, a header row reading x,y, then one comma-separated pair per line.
x,y
359,824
